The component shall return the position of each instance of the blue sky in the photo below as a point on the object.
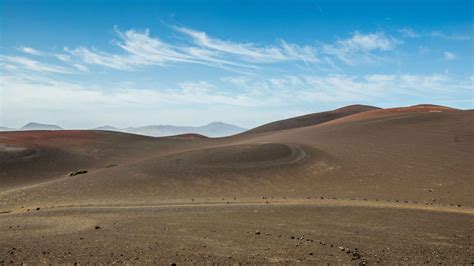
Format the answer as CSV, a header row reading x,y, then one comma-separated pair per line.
x,y
82,64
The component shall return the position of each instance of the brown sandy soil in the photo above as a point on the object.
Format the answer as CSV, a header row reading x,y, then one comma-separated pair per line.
x,y
396,184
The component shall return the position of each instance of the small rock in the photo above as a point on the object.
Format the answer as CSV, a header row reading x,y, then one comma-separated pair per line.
x,y
97,227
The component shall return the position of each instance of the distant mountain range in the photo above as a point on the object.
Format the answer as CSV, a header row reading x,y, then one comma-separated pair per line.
x,y
214,129
38,126
6,129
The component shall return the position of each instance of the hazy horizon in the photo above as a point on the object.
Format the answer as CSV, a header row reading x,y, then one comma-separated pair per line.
x,y
181,125
84,64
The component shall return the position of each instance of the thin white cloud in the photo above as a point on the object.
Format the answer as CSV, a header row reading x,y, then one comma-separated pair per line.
x,y
250,51
63,57
449,56
453,37
81,67
33,65
411,33
369,42
29,50
92,57
141,49
361,48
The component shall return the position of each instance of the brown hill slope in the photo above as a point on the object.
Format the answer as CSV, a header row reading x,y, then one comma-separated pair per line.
x,y
311,119
416,156
30,157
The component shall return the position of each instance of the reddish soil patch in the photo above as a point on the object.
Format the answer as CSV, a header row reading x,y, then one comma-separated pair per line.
x,y
45,138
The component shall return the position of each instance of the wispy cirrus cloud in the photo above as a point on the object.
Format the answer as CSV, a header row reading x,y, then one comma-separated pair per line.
x,y
29,50
361,48
411,33
32,65
140,49
250,51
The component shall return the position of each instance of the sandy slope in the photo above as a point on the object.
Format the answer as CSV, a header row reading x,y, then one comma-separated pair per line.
x,y
312,119
406,170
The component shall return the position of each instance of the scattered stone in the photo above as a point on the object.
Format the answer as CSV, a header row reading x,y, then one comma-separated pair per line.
x,y
80,172
111,165
38,208
430,190
311,253
257,233
97,227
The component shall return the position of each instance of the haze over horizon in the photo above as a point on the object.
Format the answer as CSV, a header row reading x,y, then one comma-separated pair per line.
x,y
84,64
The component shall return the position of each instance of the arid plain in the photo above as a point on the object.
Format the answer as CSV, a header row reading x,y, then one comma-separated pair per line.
x,y
354,185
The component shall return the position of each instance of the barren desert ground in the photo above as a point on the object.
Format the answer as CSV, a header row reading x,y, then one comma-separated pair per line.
x,y
350,186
